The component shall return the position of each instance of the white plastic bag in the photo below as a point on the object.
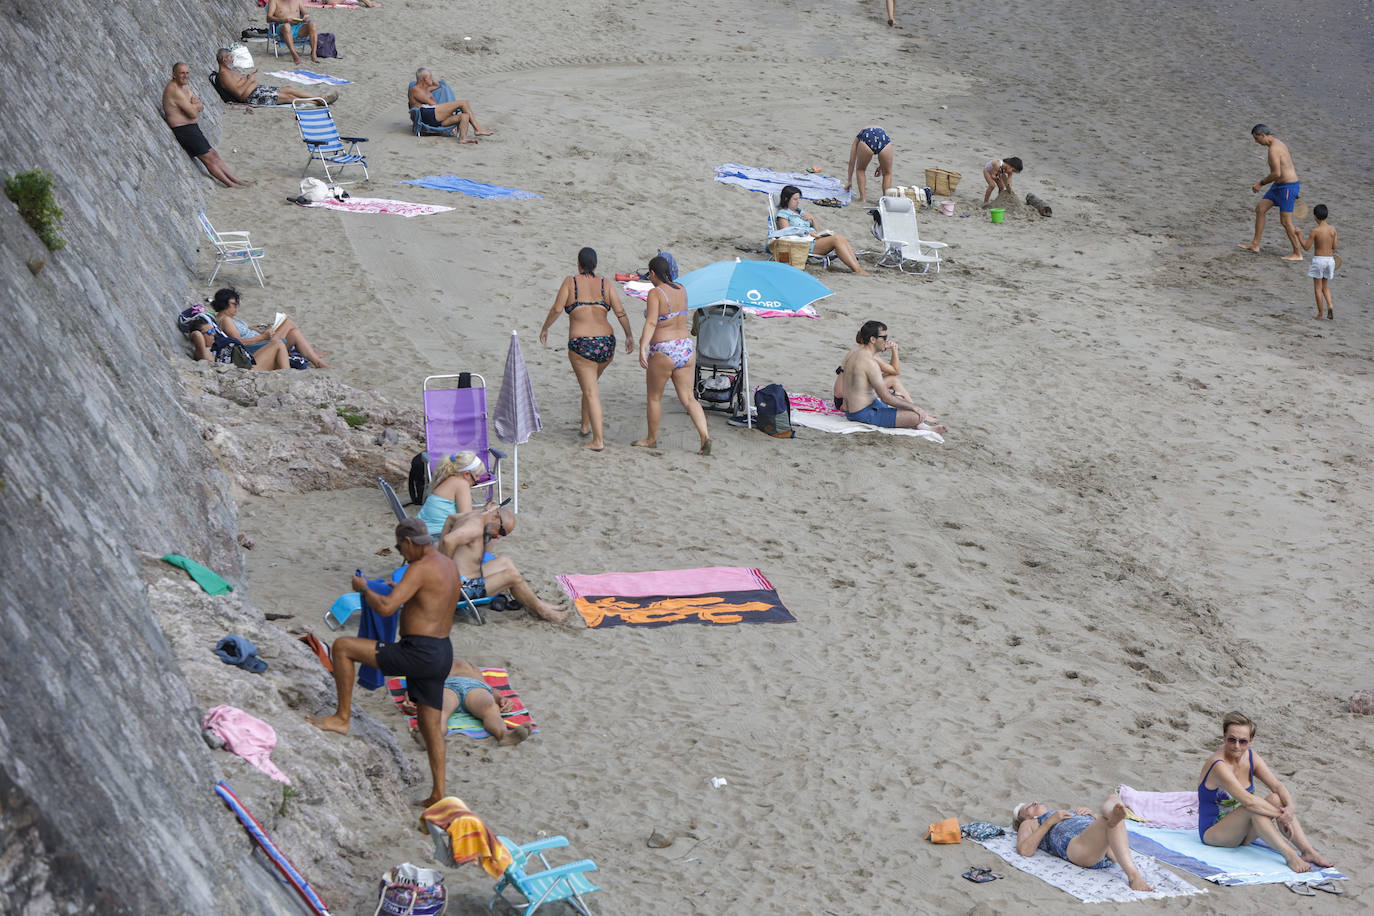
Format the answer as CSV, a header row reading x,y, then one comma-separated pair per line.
x,y
241,58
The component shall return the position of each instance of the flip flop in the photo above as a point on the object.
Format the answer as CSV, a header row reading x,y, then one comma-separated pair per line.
x,y
1301,888
981,875
1329,886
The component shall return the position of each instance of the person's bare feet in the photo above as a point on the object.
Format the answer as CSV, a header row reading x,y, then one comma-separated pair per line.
x,y
1249,246
1116,815
646,443
483,133
1317,860
334,723
595,446
314,59
705,447
468,140
514,735
1297,864
1291,257
432,800
1137,882
861,272
932,427
550,612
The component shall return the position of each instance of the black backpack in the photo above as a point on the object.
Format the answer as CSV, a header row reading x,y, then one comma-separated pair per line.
x,y
773,412
419,479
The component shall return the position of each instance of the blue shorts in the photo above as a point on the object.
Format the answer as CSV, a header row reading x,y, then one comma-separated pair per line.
x,y
1284,196
875,138
463,686
1056,842
876,414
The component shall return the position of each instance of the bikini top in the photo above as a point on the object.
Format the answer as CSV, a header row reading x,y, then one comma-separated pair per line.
x,y
568,309
665,317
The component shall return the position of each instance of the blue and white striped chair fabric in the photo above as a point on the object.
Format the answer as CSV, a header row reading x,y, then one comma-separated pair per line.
x,y
321,136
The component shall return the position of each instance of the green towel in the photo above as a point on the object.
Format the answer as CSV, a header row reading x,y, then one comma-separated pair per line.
x,y
207,579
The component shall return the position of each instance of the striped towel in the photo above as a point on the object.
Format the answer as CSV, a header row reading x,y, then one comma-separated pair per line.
x,y
460,723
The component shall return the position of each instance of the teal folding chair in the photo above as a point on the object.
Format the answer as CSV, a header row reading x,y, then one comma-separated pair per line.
x,y
556,882
321,136
274,38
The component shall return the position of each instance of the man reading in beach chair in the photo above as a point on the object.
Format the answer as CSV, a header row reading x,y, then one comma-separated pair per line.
x,y
434,113
426,597
465,538
245,88
869,396
291,21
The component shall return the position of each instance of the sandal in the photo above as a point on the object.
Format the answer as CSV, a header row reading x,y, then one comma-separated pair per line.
x,y
1329,886
1301,888
980,875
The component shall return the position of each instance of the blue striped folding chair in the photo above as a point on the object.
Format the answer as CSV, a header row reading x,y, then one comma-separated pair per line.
x,y
321,136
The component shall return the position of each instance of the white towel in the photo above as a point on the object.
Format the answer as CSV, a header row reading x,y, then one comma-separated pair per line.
x,y
1093,885
830,423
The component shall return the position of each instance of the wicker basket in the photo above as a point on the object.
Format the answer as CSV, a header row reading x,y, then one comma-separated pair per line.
x,y
943,181
791,251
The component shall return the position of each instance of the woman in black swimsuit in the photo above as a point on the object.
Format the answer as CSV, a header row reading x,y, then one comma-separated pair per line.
x,y
587,301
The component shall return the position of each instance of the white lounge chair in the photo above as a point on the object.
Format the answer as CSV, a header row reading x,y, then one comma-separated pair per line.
x,y
902,237
774,232
232,248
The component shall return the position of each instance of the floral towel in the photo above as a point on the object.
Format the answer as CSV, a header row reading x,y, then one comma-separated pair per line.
x,y
1092,885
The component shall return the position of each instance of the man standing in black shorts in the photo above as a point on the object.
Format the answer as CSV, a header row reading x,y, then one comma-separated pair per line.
x,y
181,107
428,595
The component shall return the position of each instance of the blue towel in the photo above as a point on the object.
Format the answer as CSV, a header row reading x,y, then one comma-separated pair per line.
x,y
235,650
812,187
372,625
1227,865
470,188
322,78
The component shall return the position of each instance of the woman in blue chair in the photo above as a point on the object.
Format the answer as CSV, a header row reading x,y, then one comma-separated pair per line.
x,y
588,302
451,489
790,216
226,306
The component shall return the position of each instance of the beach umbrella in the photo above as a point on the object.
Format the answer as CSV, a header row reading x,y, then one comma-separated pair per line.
x,y
764,288
516,416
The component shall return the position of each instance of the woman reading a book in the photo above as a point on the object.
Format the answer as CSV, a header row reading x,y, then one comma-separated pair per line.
x,y
226,306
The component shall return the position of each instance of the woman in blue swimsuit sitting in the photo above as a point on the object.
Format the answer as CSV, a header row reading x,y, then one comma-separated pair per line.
x,y
1230,814
1078,836
790,216
450,490
666,351
588,301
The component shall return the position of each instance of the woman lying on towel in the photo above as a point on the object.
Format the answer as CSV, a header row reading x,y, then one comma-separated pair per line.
x,y
790,216
1230,814
226,305
1078,836
451,489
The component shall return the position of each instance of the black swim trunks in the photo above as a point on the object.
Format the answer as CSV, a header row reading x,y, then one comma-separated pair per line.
x,y
429,116
424,660
191,139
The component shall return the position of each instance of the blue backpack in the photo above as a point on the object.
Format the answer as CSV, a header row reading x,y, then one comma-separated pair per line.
x,y
773,412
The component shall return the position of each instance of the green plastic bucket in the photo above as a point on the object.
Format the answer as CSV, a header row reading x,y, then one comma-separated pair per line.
x,y
997,213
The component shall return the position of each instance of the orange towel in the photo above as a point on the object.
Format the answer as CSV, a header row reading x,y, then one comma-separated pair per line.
x,y
468,835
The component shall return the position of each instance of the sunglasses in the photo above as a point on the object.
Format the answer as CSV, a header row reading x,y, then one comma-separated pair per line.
x,y
1238,742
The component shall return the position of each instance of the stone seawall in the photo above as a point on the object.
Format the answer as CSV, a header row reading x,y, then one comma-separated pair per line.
x,y
106,789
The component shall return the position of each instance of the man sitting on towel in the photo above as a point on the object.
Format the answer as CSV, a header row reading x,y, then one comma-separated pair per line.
x,y
465,538
245,88
870,398
442,114
427,596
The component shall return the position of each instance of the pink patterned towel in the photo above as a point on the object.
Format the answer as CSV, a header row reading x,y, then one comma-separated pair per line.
x,y
1174,810
666,582
249,737
380,205
811,404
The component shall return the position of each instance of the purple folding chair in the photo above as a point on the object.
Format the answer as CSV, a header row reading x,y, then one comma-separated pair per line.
x,y
456,421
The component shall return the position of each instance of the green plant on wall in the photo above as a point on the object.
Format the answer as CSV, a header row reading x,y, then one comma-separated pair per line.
x,y
31,192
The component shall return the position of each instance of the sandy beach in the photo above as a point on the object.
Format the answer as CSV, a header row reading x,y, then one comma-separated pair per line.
x,y
1153,504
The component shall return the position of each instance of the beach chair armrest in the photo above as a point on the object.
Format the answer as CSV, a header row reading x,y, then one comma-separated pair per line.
x,y
319,142
353,139
572,868
226,236
500,455
552,842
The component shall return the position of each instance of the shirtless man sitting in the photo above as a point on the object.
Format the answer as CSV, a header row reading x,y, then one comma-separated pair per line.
x,y
245,88
427,596
1283,191
465,538
181,108
442,114
891,371
871,398
290,19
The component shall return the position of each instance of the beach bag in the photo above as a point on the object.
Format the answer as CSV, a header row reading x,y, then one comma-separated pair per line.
x,y
418,481
324,45
190,316
295,360
982,830
240,58
228,350
947,831
409,890
314,190
774,412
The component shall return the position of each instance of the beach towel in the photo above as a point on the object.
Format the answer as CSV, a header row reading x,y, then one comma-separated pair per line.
x,y
813,413
812,187
338,5
716,596
1253,864
462,723
309,78
247,736
372,625
1092,885
208,580
289,874
469,187
378,205
235,650
470,838
1176,810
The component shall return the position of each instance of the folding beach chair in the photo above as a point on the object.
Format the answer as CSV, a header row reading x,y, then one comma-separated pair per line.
x,y
774,232
321,136
392,500
419,128
456,421
721,373
897,230
567,882
232,248
276,44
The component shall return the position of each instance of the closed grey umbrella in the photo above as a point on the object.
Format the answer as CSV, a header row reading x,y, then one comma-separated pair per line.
x,y
516,416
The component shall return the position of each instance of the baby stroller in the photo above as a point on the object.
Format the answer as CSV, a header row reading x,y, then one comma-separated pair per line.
x,y
721,371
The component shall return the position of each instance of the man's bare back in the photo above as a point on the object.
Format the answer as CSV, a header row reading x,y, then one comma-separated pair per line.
x,y
429,594
1281,162
861,379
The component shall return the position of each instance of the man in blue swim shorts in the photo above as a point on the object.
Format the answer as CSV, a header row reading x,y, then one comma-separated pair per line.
x,y
868,397
1284,193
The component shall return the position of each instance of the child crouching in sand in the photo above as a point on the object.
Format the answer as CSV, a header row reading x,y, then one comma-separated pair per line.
x,y
997,173
1322,241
